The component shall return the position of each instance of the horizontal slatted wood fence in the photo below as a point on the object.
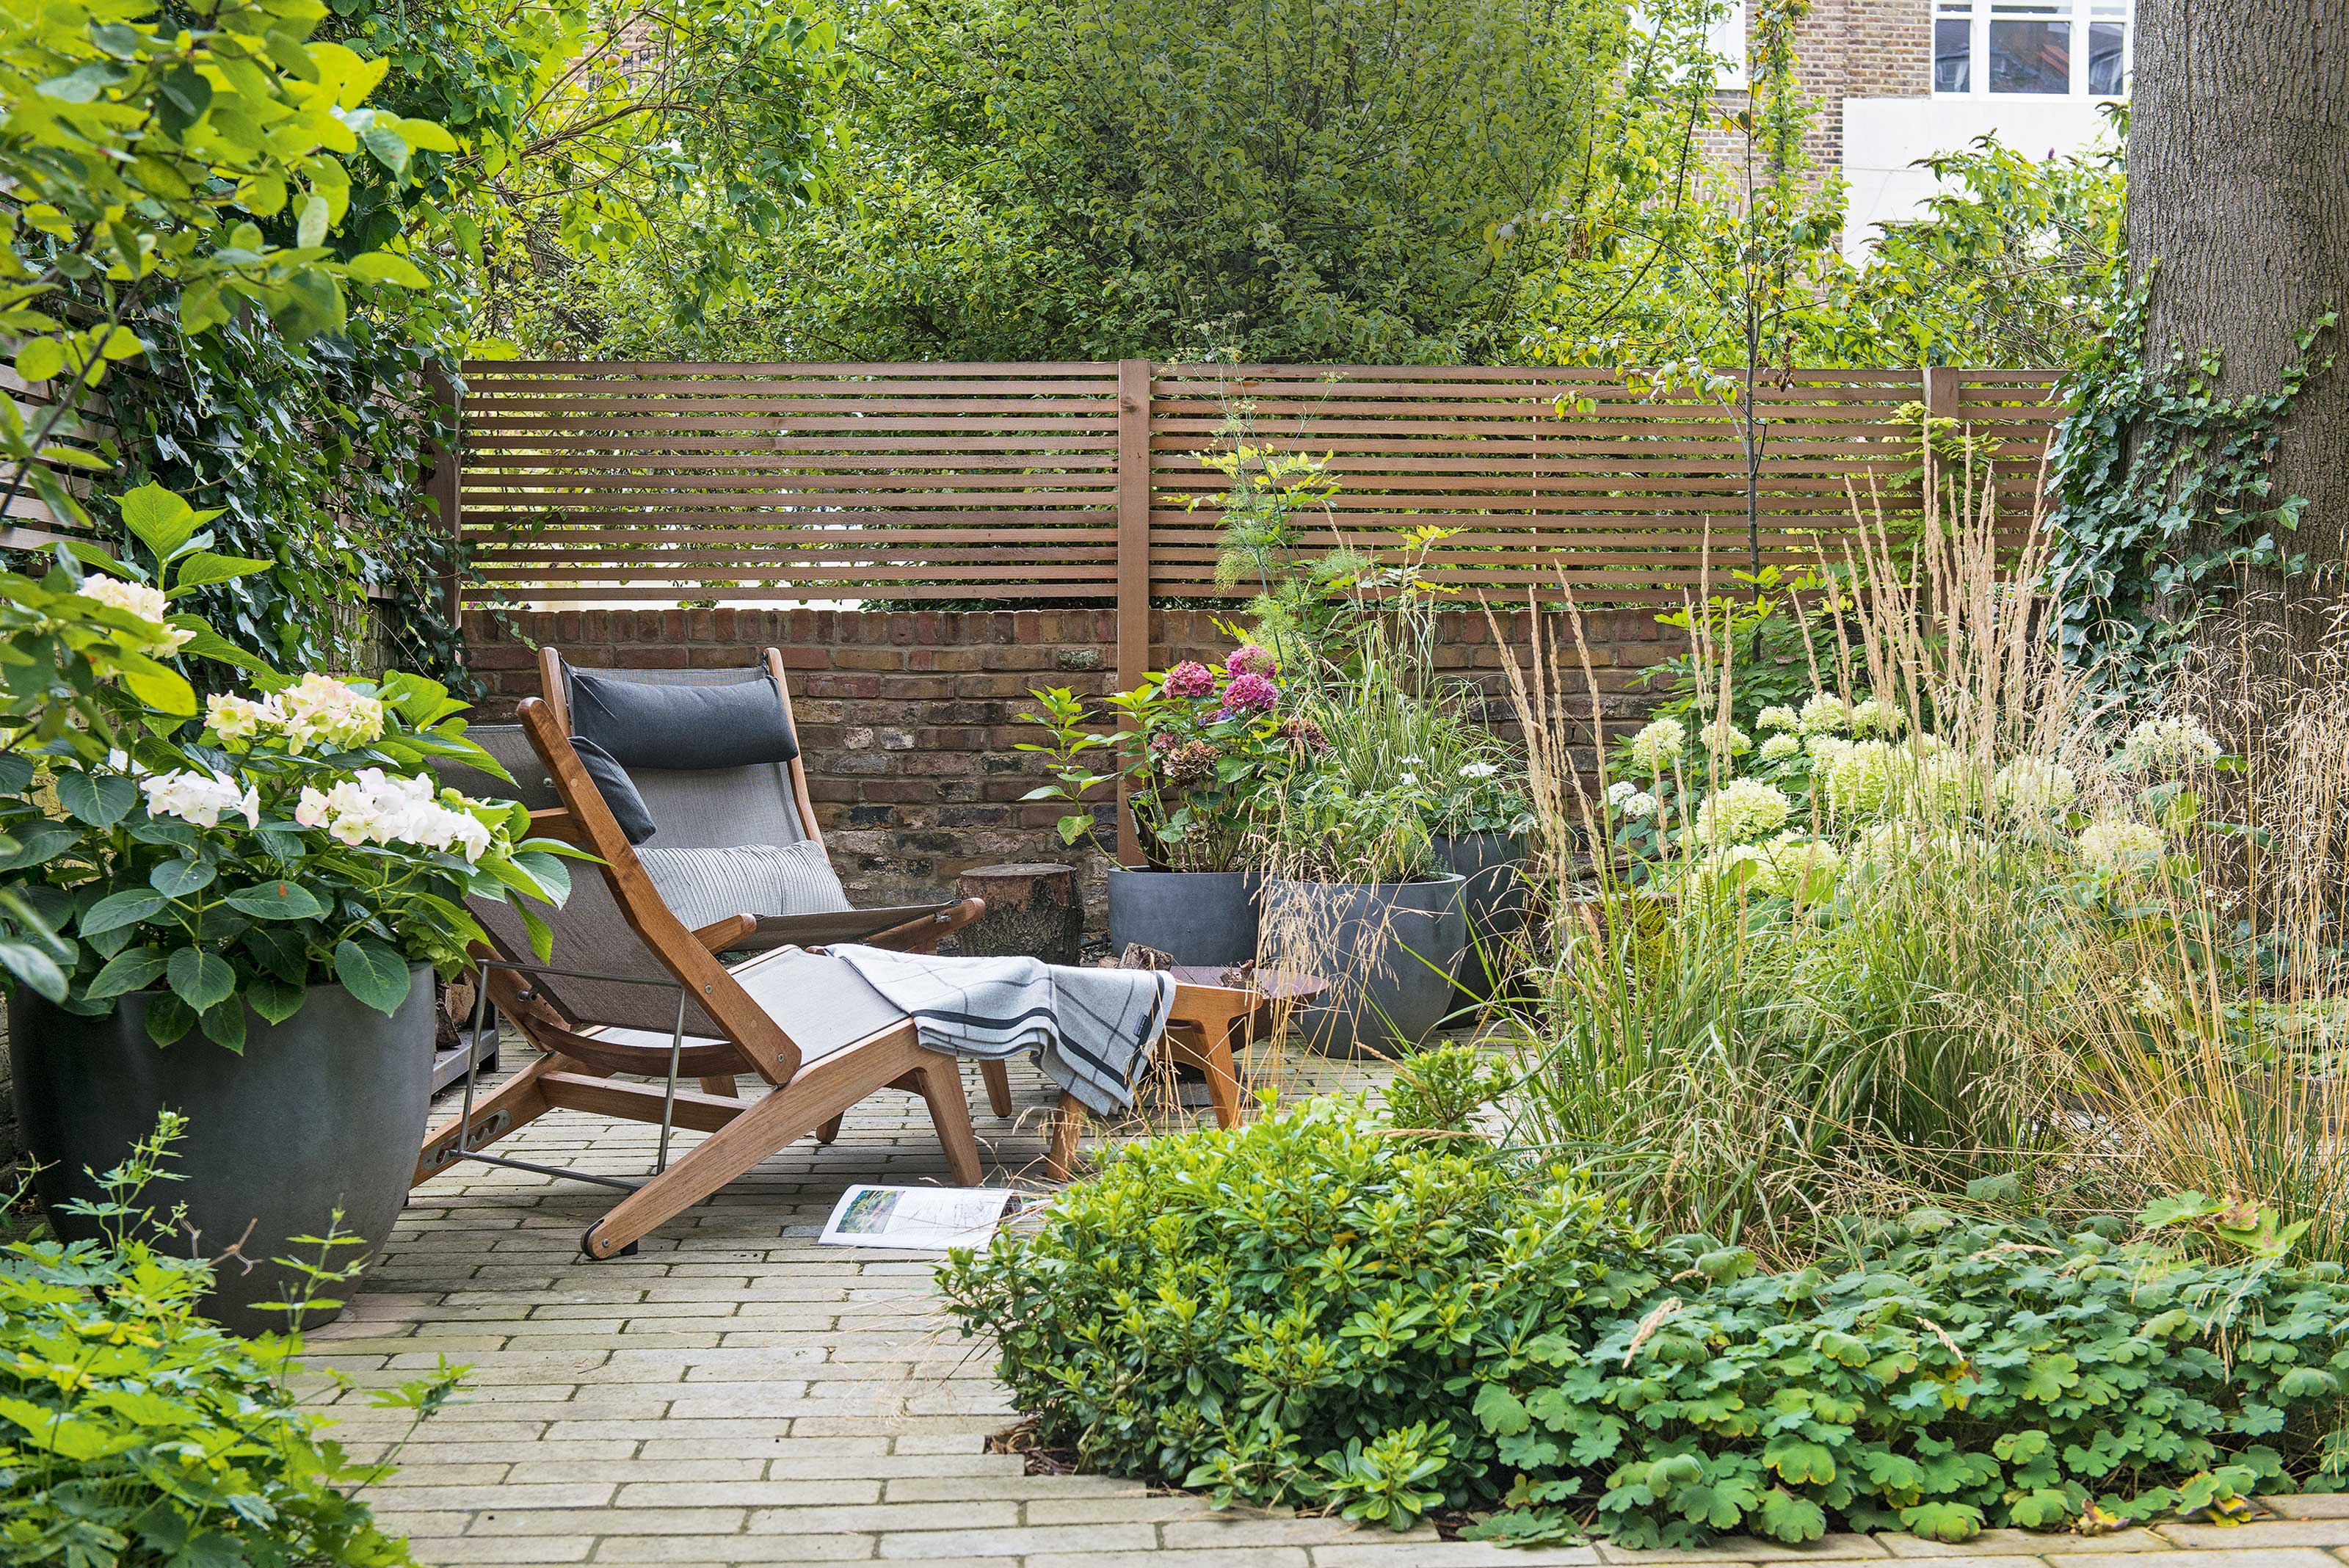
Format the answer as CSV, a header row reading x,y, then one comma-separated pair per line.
x,y
644,483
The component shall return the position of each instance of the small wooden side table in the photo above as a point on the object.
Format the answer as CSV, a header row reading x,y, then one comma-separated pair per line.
x,y
1207,1020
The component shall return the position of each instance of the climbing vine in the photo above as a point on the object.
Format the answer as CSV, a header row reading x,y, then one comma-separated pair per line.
x,y
2162,492
313,453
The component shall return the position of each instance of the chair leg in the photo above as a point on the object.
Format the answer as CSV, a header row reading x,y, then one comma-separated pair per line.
x,y
1068,1122
719,1084
509,1107
830,1131
997,1076
939,1083
1222,1081
767,1125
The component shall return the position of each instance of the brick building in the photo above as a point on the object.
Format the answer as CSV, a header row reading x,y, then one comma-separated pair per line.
x,y
1898,81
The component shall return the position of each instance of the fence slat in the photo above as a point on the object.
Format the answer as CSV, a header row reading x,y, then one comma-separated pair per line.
x,y
625,482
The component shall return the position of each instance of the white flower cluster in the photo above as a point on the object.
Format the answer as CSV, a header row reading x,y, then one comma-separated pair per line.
x,y
1870,716
2119,846
1657,744
1781,746
2031,786
144,600
376,807
1630,799
1939,783
1726,739
1801,868
2165,745
317,708
203,798
1739,810
1856,776
1778,716
1824,714
1478,770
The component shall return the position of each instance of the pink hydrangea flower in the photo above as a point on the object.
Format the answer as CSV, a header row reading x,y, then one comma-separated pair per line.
x,y
1251,693
1190,678
1250,658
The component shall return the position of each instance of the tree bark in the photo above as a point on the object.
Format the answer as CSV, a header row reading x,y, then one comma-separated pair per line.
x,y
2239,203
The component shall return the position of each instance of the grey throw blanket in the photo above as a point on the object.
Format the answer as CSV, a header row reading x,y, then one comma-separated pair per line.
x,y
1091,1029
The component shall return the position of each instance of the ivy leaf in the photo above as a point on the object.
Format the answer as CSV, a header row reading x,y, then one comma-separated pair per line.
x,y
202,979
100,799
372,973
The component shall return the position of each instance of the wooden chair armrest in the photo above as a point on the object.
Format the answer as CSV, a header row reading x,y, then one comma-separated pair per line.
x,y
720,935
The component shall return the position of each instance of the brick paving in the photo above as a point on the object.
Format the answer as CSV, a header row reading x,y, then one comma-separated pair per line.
x,y
735,1394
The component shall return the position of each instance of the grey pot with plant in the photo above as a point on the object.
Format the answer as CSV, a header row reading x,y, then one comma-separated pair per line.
x,y
1203,751
230,910
1483,817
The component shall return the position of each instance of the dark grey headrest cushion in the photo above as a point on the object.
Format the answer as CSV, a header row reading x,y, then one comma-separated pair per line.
x,y
681,727
618,790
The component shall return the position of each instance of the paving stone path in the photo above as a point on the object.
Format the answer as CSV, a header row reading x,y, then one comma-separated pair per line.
x,y
735,1394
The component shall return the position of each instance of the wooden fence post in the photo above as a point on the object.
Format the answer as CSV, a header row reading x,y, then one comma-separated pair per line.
x,y
1942,392
1133,557
441,486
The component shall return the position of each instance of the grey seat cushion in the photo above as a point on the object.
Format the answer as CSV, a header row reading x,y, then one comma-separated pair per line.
x,y
700,886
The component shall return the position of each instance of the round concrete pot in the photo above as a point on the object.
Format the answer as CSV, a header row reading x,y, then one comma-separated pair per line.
x,y
1199,917
324,1110
1493,865
1388,951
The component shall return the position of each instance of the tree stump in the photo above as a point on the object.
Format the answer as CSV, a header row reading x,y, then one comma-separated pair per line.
x,y
1032,911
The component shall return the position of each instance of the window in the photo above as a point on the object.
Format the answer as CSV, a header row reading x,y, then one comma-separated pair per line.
x,y
1672,21
1726,38
2041,47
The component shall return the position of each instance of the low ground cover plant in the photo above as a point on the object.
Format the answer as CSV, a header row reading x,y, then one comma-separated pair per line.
x,y
1324,1309
133,1431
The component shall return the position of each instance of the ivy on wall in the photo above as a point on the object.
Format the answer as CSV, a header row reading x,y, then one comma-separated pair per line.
x,y
315,452
2161,494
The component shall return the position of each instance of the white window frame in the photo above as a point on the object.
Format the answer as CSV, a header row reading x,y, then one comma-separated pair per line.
x,y
1980,14
1725,38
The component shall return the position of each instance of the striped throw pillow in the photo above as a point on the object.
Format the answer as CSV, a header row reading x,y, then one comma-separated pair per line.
x,y
700,886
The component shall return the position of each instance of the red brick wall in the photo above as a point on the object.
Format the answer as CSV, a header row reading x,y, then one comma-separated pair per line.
x,y
1845,48
908,720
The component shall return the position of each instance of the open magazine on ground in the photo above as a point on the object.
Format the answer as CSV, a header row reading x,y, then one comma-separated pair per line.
x,y
923,1219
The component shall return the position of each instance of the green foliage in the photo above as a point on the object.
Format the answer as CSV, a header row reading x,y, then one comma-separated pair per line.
x,y
1310,1311
2163,494
235,860
134,1432
1441,1090
202,157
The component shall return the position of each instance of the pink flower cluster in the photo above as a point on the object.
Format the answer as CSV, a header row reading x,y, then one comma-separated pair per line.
x,y
1190,678
1251,659
1251,693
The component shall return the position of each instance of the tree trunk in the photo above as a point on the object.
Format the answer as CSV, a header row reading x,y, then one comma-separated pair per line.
x,y
2239,200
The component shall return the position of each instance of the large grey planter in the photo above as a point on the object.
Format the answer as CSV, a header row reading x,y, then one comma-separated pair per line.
x,y
1388,951
326,1108
1199,917
1494,866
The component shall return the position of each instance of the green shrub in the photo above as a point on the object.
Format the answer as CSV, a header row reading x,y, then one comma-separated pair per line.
x,y
133,1431
1316,1311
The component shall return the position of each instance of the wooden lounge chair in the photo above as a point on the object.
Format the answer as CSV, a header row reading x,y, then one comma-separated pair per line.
x,y
763,804
629,991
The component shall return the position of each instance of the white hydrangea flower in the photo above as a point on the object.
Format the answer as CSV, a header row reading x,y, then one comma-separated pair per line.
x,y
144,600
202,798
1856,777
2120,845
1641,803
1657,743
1778,716
1795,866
1881,845
239,721
2032,787
1478,770
375,807
1726,739
2150,999
1779,747
1739,864
1824,714
2161,745
1923,744
1939,784
1739,810
321,709
1620,791
1825,748
1870,716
